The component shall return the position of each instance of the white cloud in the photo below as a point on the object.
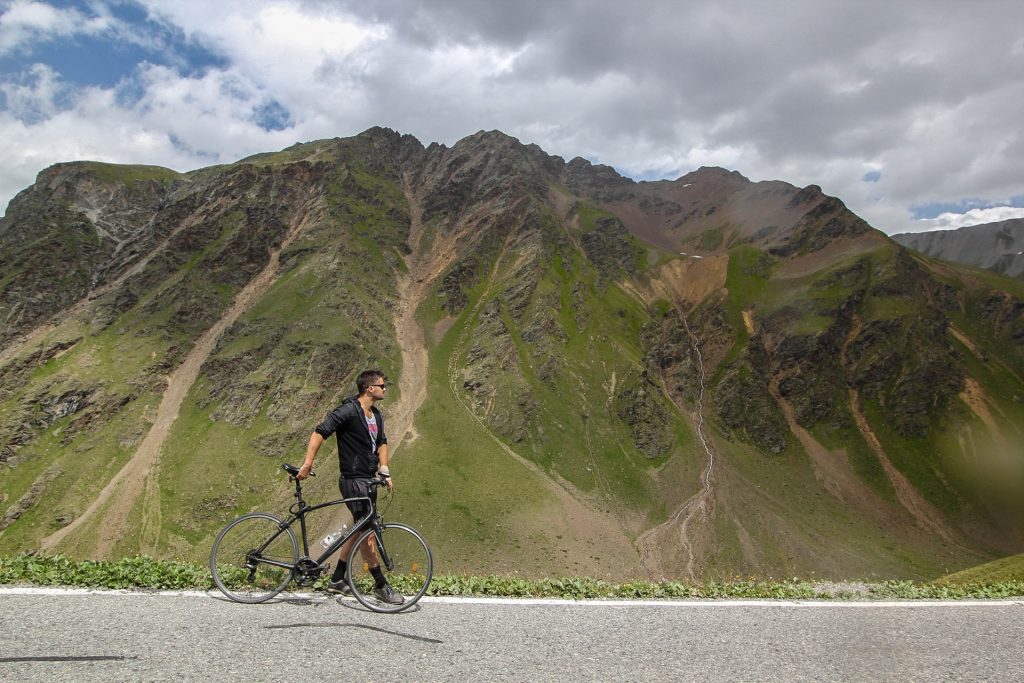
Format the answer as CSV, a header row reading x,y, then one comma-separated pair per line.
x,y
181,123
25,21
952,221
925,93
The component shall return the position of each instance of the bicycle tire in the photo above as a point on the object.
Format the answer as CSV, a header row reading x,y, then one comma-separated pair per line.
x,y
235,557
410,575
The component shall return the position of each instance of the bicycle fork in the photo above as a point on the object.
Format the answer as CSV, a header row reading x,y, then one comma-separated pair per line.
x,y
383,559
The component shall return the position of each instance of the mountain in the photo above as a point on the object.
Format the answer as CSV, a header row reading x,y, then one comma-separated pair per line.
x,y
594,376
995,246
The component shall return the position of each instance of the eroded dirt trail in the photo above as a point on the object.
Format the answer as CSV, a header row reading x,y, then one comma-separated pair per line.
x,y
123,489
422,268
700,502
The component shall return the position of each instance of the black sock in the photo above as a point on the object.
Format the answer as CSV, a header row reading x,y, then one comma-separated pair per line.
x,y
339,572
378,577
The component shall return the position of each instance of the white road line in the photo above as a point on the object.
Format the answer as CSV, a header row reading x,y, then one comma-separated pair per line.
x,y
553,602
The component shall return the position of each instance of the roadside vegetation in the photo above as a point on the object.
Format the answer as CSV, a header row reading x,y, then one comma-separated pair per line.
x,y
142,572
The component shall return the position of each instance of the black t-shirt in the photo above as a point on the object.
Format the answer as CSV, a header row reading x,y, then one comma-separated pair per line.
x,y
357,453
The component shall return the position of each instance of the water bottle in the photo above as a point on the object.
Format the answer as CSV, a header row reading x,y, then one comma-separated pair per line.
x,y
330,538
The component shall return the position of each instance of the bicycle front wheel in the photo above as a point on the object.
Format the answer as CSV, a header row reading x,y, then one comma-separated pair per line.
x,y
405,563
241,558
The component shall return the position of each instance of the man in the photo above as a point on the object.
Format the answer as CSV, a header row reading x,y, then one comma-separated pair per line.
x,y
362,453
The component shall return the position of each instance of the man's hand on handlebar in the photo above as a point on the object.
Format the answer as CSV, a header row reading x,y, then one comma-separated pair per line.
x,y
385,473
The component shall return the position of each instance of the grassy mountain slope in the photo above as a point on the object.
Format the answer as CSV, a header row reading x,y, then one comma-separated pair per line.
x,y
793,394
1004,569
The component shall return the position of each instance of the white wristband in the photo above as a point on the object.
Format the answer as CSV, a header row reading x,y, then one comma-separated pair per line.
x,y
384,471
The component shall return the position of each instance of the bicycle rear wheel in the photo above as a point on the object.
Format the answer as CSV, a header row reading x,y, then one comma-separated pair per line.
x,y
411,562
238,559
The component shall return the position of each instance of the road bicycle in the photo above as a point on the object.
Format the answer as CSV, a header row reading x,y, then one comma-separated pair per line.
x,y
257,555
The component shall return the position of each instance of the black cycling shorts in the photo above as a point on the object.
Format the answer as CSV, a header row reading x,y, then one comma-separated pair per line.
x,y
351,488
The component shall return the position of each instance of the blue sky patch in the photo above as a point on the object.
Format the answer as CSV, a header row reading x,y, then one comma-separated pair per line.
x,y
272,115
935,209
872,176
105,58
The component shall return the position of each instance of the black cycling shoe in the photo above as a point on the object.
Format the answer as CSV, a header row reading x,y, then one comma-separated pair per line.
x,y
339,588
389,595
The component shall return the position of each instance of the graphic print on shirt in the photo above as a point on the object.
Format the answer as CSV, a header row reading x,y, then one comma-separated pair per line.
x,y
371,425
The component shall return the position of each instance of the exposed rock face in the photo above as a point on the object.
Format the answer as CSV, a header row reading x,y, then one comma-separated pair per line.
x,y
455,284
744,404
827,222
488,377
997,246
610,250
647,418
599,182
90,220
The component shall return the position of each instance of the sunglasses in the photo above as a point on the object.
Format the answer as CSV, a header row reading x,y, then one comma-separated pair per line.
x,y
382,386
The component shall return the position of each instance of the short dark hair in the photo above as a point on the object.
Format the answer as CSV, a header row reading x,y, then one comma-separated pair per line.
x,y
368,377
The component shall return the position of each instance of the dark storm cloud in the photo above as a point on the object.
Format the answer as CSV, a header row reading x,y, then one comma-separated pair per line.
x,y
920,96
433,24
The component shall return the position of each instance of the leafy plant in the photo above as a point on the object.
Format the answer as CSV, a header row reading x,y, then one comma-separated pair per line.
x,y
148,573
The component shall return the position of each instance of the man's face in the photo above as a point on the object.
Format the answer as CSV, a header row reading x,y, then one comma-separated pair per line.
x,y
377,389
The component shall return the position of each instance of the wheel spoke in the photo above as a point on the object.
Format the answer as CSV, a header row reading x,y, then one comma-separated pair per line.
x,y
238,558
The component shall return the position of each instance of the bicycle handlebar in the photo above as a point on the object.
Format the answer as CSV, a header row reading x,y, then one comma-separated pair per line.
x,y
293,471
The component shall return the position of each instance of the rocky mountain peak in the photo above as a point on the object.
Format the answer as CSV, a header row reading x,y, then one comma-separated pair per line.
x,y
710,174
598,181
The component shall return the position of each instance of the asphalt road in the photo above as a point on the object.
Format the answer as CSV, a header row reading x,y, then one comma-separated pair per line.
x,y
52,635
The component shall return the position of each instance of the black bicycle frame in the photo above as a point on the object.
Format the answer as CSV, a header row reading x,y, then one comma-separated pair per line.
x,y
357,526
300,514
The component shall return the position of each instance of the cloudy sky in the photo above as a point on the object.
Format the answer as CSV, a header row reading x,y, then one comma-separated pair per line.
x,y
909,111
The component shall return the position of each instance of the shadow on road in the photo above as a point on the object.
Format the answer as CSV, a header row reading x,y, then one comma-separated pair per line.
x,y
362,626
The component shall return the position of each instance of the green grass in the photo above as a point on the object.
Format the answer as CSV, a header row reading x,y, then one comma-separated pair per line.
x,y
917,458
292,154
862,459
1005,570
127,173
890,308
746,282
710,240
589,213
83,468
458,485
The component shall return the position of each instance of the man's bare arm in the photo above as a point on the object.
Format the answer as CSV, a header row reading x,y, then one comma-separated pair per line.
x,y
315,441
